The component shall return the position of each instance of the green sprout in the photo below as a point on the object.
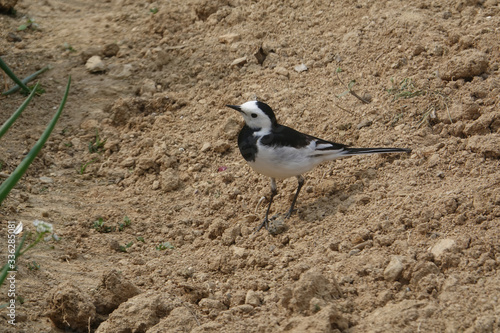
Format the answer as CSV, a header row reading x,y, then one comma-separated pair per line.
x,y
29,24
405,89
126,223
97,144
123,248
165,245
100,226
33,266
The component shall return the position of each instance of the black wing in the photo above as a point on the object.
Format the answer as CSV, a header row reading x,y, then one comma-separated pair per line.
x,y
285,136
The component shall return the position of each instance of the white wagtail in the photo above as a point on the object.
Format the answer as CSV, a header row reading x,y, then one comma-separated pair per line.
x,y
280,152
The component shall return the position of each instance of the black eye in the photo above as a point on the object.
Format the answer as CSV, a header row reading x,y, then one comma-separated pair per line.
x,y
254,115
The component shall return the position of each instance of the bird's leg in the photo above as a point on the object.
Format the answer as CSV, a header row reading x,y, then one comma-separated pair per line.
x,y
274,191
301,181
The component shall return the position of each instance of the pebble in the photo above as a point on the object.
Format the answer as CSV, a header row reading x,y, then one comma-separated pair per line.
x,y
95,65
120,71
252,298
239,62
442,246
46,180
281,71
148,87
229,38
206,146
111,50
394,269
364,123
300,68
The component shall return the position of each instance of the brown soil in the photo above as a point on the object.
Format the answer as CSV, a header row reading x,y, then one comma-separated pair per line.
x,y
399,243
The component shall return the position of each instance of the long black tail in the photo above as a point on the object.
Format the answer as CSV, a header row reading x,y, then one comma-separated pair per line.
x,y
362,151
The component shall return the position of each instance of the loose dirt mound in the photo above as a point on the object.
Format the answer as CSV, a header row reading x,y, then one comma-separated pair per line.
x,y
145,185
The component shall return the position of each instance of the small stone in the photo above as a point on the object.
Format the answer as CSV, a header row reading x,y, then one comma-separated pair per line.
x,y
169,181
239,62
206,146
156,185
282,71
442,246
394,269
148,87
221,146
252,298
46,180
229,38
240,252
111,50
95,65
120,71
364,123
300,68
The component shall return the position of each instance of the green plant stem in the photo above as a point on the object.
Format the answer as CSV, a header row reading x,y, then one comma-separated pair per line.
x,y
5,268
26,80
7,70
5,127
10,182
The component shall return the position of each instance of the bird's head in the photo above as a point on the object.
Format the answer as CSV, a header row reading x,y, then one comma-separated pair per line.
x,y
257,115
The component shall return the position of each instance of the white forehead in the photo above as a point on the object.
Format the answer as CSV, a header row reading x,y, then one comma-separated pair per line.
x,y
250,106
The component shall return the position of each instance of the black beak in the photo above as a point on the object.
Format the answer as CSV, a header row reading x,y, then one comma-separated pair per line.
x,y
236,107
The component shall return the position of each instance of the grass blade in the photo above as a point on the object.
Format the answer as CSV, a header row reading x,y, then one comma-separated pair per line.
x,y
7,70
5,127
27,79
10,182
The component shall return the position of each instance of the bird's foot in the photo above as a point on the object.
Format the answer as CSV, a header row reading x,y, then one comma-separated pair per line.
x,y
275,225
264,224
289,213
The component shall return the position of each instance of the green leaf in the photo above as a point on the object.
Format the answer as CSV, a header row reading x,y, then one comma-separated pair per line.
x,y
5,127
10,182
7,71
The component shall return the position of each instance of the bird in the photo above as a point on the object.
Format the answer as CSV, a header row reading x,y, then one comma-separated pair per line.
x,y
280,152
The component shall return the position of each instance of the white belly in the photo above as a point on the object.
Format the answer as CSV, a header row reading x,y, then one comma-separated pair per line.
x,y
283,162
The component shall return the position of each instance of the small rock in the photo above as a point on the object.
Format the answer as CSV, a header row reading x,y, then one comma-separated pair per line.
x,y
229,38
282,71
90,52
148,87
364,123
240,252
211,304
239,62
169,181
252,298
95,65
230,235
300,68
394,269
156,185
120,71
206,146
221,146
111,50
442,246
46,180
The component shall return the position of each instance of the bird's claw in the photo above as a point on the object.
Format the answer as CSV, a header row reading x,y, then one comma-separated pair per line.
x,y
264,224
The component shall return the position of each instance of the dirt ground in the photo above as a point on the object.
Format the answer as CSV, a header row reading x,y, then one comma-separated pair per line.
x,y
155,207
